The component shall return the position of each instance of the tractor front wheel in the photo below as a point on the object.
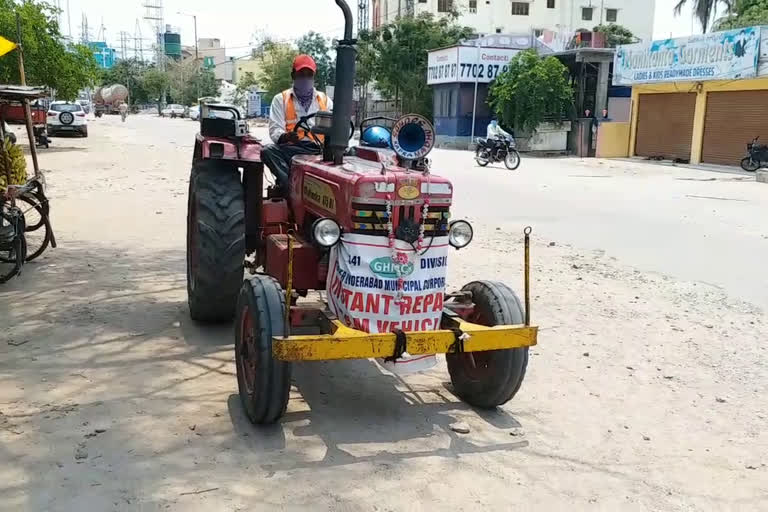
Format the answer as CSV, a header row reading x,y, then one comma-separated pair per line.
x,y
264,382
489,379
215,241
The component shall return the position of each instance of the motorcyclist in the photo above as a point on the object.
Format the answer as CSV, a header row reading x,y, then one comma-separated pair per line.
x,y
496,135
123,110
287,108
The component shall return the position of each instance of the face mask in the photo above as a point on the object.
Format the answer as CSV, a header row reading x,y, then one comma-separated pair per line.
x,y
303,86
493,123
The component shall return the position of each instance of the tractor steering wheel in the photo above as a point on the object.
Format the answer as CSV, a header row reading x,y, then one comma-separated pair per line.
x,y
304,125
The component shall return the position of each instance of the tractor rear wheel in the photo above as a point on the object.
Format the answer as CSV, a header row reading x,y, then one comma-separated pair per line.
x,y
491,378
264,382
215,241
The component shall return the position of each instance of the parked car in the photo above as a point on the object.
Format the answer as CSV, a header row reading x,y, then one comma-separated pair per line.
x,y
194,113
86,106
66,117
9,133
174,110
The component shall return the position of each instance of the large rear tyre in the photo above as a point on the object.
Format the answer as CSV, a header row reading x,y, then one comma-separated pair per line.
x,y
215,241
489,379
264,382
749,164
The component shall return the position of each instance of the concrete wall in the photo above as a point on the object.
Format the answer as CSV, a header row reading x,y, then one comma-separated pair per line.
x,y
491,16
701,89
243,66
613,140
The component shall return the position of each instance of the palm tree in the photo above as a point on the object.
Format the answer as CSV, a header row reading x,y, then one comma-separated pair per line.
x,y
705,10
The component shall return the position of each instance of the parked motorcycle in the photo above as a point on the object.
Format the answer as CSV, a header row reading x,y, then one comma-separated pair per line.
x,y
498,149
757,156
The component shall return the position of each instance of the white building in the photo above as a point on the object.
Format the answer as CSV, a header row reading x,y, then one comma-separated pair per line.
x,y
526,16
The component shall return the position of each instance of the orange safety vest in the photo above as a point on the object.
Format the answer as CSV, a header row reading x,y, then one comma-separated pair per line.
x,y
291,118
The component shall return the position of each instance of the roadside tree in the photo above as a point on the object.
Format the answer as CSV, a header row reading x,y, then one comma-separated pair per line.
x,y
48,59
395,57
531,91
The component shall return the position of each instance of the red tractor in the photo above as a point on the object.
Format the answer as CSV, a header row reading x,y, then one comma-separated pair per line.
x,y
365,231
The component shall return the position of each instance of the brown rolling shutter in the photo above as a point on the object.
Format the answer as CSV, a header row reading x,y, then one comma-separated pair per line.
x,y
733,119
665,125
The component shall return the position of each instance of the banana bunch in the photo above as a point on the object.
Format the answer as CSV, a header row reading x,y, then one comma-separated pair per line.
x,y
13,156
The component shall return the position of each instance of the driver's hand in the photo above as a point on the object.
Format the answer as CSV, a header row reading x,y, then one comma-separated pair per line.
x,y
288,138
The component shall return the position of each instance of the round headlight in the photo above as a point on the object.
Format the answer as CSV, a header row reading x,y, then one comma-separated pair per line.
x,y
460,234
326,232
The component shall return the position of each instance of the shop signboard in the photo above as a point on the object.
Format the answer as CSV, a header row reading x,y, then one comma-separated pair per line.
x,y
727,55
467,64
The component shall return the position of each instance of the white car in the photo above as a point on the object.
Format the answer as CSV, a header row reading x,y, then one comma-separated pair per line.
x,y
174,110
66,117
194,113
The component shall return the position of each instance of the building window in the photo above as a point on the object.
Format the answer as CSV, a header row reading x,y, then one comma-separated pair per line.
x,y
550,4
611,15
498,30
472,5
586,13
422,1
444,5
538,32
520,8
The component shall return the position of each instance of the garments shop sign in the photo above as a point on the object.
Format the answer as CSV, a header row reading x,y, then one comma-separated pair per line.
x,y
727,55
467,64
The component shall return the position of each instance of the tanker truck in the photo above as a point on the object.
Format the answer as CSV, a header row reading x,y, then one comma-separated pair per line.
x,y
107,100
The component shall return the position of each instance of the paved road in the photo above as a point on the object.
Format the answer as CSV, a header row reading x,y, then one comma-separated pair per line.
x,y
646,391
689,224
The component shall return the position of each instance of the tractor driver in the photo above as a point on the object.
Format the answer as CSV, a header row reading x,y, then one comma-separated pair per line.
x,y
287,108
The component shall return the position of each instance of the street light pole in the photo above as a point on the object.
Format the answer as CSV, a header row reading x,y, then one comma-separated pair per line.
x,y
197,55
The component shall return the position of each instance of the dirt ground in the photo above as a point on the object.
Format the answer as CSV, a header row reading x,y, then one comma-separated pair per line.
x,y
646,391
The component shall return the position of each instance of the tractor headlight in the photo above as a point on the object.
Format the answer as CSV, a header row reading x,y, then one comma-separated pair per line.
x,y
326,232
460,233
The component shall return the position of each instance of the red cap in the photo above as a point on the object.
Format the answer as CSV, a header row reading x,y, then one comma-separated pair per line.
x,y
304,61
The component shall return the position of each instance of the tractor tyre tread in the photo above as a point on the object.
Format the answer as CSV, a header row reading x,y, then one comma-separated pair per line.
x,y
502,307
265,300
220,241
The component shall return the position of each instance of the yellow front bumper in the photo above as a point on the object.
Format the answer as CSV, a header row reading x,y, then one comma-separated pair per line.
x,y
347,343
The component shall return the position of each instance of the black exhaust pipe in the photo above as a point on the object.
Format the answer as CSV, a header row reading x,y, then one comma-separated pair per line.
x,y
345,83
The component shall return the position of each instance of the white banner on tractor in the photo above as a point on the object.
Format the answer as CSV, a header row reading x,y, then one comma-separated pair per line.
x,y
363,284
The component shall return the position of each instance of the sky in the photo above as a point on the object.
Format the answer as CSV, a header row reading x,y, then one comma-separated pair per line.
x,y
236,21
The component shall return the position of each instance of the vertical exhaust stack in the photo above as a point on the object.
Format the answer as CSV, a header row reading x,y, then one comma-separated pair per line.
x,y
345,82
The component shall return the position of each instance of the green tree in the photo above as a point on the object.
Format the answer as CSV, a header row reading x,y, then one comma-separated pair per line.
x,y
745,13
615,34
319,48
705,10
186,80
532,90
275,63
48,59
395,56
156,84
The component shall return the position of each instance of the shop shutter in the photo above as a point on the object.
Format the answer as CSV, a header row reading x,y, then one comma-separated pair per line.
x,y
665,125
733,119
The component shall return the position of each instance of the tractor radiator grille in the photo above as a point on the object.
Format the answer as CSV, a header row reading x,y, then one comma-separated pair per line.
x,y
371,219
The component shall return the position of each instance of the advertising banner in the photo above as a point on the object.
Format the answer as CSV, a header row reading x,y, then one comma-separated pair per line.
x,y
365,276
727,55
467,64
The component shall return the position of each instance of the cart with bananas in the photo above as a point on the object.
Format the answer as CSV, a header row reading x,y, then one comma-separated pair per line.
x,y
25,226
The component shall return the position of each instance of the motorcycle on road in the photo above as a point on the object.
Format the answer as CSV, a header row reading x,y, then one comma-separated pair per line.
x,y
498,149
757,156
